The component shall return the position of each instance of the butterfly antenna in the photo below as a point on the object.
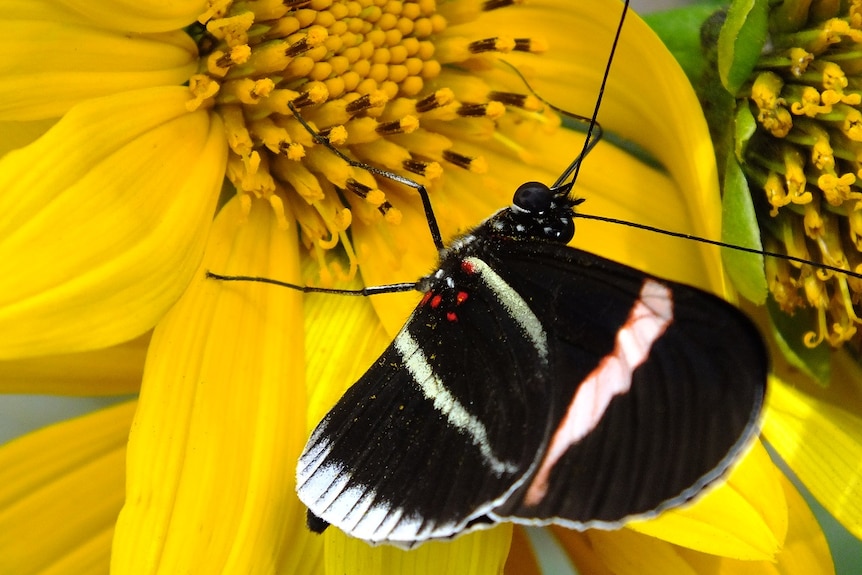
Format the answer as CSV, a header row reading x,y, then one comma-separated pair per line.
x,y
787,257
594,131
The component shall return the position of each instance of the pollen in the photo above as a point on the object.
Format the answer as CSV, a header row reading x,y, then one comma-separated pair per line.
x,y
312,90
806,157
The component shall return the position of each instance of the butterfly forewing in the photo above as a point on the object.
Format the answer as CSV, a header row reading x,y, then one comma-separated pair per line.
x,y
441,428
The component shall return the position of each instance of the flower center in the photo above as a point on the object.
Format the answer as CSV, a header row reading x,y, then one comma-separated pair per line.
x,y
807,155
372,76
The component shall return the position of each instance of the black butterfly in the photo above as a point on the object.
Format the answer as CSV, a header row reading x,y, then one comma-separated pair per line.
x,y
536,383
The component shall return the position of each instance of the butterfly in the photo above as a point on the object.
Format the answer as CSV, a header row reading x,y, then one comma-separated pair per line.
x,y
533,383
536,383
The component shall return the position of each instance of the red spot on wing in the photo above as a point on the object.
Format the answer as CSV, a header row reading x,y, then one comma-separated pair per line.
x,y
425,298
461,297
435,301
451,316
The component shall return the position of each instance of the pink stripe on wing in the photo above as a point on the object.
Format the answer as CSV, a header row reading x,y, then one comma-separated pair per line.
x,y
647,321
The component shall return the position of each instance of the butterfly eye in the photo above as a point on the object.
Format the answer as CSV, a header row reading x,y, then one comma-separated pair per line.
x,y
533,197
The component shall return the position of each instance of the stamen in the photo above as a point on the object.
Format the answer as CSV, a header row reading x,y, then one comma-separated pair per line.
x,y
315,95
491,110
430,170
529,45
374,196
364,103
405,125
489,5
523,101
313,38
475,165
496,44
278,209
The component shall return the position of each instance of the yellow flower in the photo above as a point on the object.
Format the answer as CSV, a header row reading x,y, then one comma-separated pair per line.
x,y
107,228
795,108
799,141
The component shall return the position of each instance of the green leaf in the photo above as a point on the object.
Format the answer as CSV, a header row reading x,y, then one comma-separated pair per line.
x,y
679,29
744,127
789,332
739,227
741,41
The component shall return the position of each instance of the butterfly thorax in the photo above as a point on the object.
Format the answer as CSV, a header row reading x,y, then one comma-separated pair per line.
x,y
537,214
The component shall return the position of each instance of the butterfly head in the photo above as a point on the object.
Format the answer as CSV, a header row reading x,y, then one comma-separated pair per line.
x,y
543,212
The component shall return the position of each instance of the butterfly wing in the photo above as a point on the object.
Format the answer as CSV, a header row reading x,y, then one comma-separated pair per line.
x,y
657,387
442,427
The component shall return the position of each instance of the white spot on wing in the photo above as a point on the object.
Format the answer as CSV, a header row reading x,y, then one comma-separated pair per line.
x,y
433,388
518,309
647,321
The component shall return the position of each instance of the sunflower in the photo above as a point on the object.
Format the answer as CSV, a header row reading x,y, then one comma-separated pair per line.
x,y
113,171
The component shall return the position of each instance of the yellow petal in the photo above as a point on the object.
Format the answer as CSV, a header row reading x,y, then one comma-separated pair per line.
x,y
213,448
745,518
472,554
115,370
19,134
103,220
52,64
521,560
822,444
805,549
343,328
135,16
625,552
60,491
580,549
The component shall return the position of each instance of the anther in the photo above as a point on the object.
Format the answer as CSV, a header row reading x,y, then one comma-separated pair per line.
x,y
462,161
437,99
489,5
430,170
492,45
523,101
405,125
366,101
491,110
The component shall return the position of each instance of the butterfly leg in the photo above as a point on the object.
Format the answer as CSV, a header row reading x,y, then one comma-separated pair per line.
x,y
420,189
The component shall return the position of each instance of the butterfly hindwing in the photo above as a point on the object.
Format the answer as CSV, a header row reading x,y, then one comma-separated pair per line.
x,y
442,426
645,422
